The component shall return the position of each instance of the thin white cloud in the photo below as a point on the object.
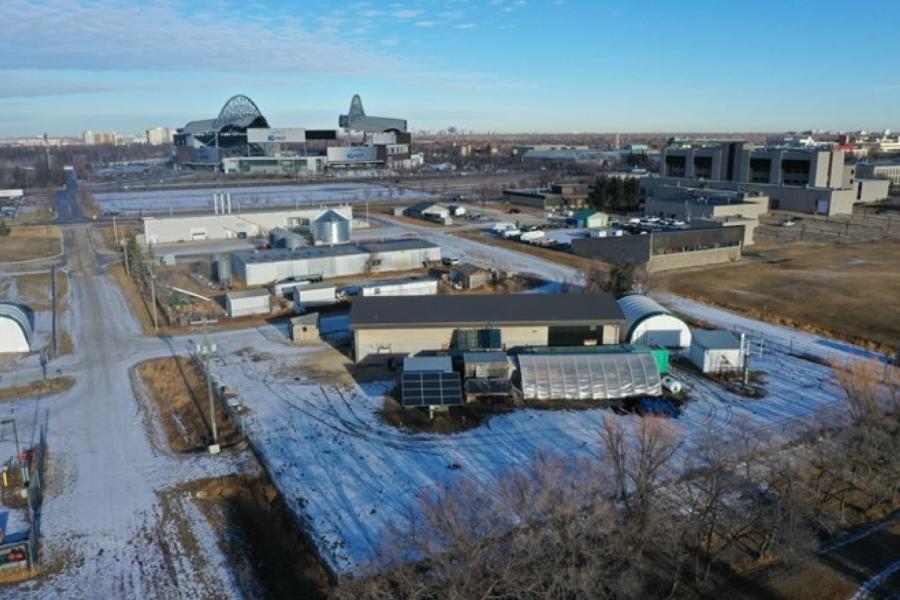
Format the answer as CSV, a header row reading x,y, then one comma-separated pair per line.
x,y
465,26
406,13
426,23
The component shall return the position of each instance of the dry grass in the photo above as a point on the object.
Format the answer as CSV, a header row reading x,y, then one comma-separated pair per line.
x,y
33,290
88,204
28,243
45,207
124,229
179,393
48,387
844,291
268,554
557,256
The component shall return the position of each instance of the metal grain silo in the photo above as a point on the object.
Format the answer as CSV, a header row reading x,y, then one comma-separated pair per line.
x,y
223,269
331,228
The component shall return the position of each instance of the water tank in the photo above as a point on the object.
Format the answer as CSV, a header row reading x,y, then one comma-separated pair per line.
x,y
331,228
223,269
276,235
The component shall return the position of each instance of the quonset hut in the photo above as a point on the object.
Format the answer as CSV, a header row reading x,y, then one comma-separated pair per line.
x,y
16,332
647,323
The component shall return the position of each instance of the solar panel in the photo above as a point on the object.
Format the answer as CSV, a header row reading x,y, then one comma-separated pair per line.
x,y
430,389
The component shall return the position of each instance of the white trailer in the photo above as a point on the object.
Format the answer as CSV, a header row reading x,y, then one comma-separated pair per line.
x,y
247,303
314,294
533,237
401,287
511,233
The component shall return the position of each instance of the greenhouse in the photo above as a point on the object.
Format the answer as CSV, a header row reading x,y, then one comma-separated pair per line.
x,y
588,376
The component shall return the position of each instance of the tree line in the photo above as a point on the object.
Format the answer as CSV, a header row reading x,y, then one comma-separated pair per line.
x,y
617,194
655,516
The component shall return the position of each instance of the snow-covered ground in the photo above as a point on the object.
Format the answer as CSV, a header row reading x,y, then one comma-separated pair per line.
x,y
246,198
347,474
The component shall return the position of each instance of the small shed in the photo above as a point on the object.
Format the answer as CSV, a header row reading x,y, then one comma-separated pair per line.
x,y
649,324
305,328
716,351
428,210
590,219
471,276
314,294
16,331
247,303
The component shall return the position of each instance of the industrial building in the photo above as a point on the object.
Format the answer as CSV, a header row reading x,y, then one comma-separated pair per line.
x,y
16,330
470,277
356,119
716,351
705,243
390,327
408,286
294,166
558,195
247,302
810,180
889,171
727,207
647,323
226,224
262,267
430,211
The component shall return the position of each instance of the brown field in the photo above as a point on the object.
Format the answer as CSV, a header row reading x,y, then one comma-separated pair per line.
x,y
88,204
179,393
557,256
44,204
27,243
47,387
845,291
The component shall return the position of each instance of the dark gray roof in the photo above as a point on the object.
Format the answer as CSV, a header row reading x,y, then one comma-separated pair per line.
x,y
716,340
484,310
394,245
469,269
420,206
331,216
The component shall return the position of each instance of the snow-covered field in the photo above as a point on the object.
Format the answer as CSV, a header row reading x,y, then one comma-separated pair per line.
x,y
347,474
246,198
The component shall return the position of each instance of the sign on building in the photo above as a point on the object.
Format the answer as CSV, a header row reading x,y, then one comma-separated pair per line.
x,y
276,135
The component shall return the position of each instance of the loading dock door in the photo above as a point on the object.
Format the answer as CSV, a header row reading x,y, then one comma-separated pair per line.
x,y
822,207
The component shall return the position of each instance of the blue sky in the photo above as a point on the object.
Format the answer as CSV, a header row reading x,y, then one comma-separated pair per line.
x,y
501,65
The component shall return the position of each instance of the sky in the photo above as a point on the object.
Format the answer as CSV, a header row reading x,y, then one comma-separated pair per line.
x,y
484,65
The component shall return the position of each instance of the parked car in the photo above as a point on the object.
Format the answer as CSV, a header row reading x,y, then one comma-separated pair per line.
x,y
514,211
450,261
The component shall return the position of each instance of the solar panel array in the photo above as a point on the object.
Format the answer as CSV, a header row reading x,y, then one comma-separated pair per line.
x,y
430,389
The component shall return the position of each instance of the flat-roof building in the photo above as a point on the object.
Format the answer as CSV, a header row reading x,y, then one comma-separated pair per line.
x,y
262,267
247,302
388,327
880,170
702,244
572,195
811,180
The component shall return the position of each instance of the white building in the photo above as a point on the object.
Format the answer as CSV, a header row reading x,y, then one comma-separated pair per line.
x,y
716,351
15,329
312,295
410,286
230,225
649,324
297,166
160,136
247,303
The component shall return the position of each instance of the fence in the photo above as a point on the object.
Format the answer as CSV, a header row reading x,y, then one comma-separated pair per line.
x,y
13,554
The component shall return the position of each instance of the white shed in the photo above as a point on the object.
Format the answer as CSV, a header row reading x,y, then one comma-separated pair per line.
x,y
314,294
716,351
649,324
247,302
15,329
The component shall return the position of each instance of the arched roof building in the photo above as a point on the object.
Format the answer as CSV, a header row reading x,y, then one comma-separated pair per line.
x,y
16,332
207,141
647,323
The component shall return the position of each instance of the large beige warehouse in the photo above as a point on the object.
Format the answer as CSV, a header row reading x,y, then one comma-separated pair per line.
x,y
400,326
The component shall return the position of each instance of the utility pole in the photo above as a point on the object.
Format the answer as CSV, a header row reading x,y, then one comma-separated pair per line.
x,y
115,231
127,267
153,295
53,337
205,349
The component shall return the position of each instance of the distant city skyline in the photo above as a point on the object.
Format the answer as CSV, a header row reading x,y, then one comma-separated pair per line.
x,y
500,65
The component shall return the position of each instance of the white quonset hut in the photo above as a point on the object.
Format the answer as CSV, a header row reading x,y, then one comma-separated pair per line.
x,y
716,351
16,332
588,376
649,324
